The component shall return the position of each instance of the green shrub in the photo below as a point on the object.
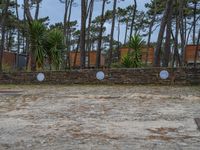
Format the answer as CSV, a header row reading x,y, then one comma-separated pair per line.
x,y
134,58
116,65
127,61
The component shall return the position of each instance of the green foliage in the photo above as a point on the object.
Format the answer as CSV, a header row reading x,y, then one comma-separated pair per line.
x,y
37,32
127,61
116,65
133,58
136,42
7,68
46,43
53,46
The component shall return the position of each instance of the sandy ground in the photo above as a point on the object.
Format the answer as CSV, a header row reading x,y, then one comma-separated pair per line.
x,y
99,118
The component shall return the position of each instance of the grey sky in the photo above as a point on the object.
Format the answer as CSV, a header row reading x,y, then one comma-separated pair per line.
x,y
55,10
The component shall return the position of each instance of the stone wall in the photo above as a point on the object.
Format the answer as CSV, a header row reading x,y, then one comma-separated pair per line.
x,y
181,76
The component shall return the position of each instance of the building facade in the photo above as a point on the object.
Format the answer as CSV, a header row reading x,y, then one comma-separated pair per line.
x,y
10,60
149,56
91,57
190,51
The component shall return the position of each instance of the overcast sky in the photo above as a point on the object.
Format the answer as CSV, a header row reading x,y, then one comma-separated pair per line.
x,y
55,10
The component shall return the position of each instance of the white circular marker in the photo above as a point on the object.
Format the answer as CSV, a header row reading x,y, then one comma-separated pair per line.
x,y
100,75
40,77
164,74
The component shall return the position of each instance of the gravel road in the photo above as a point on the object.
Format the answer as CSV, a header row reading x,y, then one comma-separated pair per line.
x,y
42,117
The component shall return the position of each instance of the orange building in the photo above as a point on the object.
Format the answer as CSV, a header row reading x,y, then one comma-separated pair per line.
x,y
150,60
190,51
92,55
9,59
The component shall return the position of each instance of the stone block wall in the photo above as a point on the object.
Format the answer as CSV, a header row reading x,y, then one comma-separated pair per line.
x,y
142,76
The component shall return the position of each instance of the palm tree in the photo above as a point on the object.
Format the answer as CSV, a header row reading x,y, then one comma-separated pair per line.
x,y
133,58
37,32
135,44
53,45
45,44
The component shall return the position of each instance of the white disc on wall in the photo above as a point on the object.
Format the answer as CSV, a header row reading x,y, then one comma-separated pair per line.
x,y
164,74
100,75
40,77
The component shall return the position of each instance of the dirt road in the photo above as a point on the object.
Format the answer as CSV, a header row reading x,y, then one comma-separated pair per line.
x,y
99,118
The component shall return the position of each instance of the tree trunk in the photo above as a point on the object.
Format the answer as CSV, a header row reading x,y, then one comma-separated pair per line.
x,y
25,39
31,61
37,9
189,31
91,8
23,33
65,32
98,57
133,18
112,34
7,40
194,21
150,33
148,42
167,49
27,11
3,30
161,33
126,31
118,39
69,34
65,18
83,31
18,36
176,53
183,31
197,50
75,57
